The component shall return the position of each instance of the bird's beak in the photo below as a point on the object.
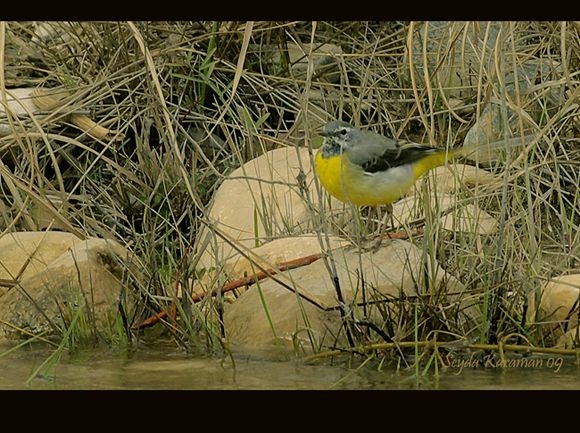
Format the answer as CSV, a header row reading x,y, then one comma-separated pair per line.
x,y
324,134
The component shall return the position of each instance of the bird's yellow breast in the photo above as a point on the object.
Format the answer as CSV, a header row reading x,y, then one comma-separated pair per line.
x,y
329,173
349,183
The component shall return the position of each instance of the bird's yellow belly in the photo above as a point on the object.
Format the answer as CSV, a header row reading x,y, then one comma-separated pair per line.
x,y
349,183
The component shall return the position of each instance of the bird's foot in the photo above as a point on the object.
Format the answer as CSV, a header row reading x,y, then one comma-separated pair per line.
x,y
373,245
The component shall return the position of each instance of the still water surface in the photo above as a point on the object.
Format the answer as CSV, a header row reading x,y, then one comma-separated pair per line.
x,y
169,368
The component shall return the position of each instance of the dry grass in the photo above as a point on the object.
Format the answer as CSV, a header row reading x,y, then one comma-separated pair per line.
x,y
183,110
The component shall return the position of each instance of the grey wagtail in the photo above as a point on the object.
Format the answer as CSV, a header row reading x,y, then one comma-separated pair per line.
x,y
368,169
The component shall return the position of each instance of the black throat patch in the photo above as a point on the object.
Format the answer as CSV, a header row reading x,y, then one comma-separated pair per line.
x,y
330,148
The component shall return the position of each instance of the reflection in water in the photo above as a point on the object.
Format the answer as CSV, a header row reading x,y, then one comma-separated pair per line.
x,y
169,368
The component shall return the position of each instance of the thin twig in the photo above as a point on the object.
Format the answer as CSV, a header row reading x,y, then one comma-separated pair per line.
x,y
412,344
240,282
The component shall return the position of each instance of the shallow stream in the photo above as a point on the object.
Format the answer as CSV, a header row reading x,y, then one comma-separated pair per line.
x,y
167,367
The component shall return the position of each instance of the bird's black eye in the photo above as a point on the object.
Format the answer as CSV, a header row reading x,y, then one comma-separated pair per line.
x,y
343,131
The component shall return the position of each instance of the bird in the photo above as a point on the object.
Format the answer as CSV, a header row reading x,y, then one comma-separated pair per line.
x,y
369,169
365,168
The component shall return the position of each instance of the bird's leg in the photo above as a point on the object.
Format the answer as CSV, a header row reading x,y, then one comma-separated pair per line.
x,y
382,227
362,227
357,230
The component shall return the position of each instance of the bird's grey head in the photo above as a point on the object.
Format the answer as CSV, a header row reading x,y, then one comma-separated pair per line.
x,y
338,135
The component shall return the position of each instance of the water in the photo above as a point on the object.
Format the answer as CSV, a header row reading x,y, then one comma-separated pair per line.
x,y
165,367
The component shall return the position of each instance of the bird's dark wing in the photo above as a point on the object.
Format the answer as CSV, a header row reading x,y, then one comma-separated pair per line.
x,y
396,157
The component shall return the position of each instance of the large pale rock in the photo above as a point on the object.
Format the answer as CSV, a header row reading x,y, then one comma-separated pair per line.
x,y
64,274
268,256
280,251
28,253
455,216
260,201
557,309
305,312
452,178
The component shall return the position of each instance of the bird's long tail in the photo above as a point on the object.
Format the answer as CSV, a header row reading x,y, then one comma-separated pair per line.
x,y
441,156
507,143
